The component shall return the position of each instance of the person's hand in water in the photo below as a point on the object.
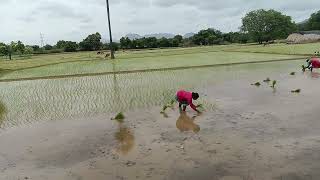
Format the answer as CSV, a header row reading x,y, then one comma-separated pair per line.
x,y
199,112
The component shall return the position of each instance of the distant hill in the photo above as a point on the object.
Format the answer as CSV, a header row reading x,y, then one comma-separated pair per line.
x,y
133,36
160,35
188,35
303,22
157,35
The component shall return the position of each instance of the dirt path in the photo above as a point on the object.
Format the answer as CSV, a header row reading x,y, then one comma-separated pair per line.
x,y
254,133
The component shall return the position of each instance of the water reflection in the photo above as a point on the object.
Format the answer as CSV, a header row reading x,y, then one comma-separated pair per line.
x,y
315,75
125,138
3,111
185,123
116,89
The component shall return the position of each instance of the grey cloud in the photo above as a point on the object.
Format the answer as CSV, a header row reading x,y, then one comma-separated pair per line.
x,y
57,18
58,10
139,22
4,1
27,19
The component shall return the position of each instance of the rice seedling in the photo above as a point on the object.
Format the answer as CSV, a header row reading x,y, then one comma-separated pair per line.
x,y
256,84
292,73
274,82
200,107
168,105
296,91
119,117
267,80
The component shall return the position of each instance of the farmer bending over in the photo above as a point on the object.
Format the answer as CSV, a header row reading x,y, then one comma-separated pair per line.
x,y
185,99
313,62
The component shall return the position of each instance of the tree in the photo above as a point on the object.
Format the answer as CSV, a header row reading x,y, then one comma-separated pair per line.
x,y
134,44
151,42
177,41
91,43
48,47
188,42
3,48
35,47
70,46
17,47
244,38
125,43
141,43
164,42
207,37
115,46
6,50
61,44
264,25
314,22
28,50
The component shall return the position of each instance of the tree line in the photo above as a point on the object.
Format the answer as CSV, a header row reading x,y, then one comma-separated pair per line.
x,y
90,43
257,26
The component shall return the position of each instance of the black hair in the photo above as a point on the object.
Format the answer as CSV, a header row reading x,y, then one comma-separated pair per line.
x,y
195,96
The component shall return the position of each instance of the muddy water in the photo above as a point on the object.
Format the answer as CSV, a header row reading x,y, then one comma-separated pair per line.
x,y
248,133
45,100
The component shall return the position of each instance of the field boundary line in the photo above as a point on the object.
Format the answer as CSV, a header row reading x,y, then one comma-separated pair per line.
x,y
142,70
238,51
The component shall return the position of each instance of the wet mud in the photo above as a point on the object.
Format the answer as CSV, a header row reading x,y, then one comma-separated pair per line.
x,y
250,133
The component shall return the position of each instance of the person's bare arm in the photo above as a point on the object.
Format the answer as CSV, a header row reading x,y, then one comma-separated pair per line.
x,y
194,108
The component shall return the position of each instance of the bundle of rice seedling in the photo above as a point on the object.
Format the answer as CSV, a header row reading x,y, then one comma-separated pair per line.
x,y
119,117
274,82
256,84
267,80
296,91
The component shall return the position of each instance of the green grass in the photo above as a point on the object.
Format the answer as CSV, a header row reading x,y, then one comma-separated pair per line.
x,y
28,101
89,62
293,49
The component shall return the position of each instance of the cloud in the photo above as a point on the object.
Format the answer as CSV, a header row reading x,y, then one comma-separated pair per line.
x,y
75,19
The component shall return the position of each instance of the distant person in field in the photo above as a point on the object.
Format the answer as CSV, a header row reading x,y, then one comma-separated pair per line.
x,y
313,62
185,99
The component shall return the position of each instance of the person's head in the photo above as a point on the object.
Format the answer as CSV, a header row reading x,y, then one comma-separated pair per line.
x,y
195,96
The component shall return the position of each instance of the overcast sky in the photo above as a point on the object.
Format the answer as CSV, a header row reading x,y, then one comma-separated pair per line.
x,y
75,19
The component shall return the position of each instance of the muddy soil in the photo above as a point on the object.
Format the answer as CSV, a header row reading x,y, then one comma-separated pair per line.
x,y
254,133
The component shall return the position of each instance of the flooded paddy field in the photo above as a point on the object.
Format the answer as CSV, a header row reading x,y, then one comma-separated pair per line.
x,y
61,129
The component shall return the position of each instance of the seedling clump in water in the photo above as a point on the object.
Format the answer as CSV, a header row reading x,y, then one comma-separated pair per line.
x,y
200,107
274,84
292,73
256,84
119,117
169,105
267,80
296,91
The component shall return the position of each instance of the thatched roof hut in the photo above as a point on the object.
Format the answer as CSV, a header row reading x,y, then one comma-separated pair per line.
x,y
304,37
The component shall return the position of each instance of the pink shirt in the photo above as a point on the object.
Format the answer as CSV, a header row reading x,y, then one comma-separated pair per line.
x,y
187,97
315,61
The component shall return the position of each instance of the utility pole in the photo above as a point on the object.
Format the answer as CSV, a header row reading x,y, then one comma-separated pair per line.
x,y
111,44
42,39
